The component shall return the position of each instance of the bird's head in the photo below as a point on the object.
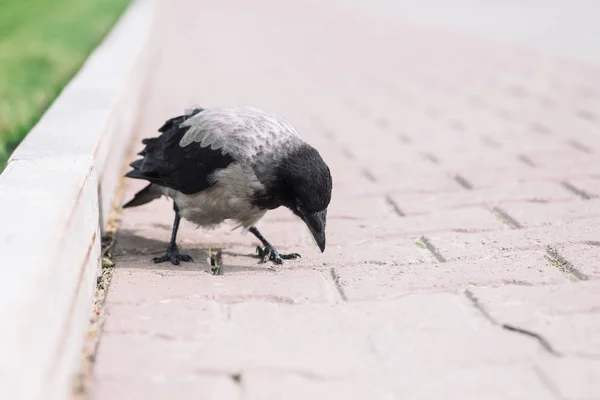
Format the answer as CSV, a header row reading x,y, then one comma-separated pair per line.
x,y
304,185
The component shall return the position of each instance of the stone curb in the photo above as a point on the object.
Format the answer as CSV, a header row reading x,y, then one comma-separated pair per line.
x,y
55,198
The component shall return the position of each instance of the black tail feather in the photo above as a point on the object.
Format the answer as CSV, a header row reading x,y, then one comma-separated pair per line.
x,y
137,164
144,196
135,174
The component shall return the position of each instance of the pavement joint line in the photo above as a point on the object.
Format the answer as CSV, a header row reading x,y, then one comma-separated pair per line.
x,y
348,154
475,302
526,160
547,382
404,139
463,182
394,206
430,157
383,123
587,115
237,378
542,340
367,174
424,243
576,191
540,128
509,327
338,284
317,122
563,265
505,218
579,146
456,125
488,141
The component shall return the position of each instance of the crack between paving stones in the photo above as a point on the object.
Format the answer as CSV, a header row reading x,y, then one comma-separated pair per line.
x,y
563,265
404,139
348,154
541,340
505,218
576,191
238,381
394,206
370,177
424,243
547,382
238,376
430,157
463,182
580,146
526,160
338,284
475,302
544,343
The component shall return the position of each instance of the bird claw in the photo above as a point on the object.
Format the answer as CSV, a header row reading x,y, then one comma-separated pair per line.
x,y
173,256
270,253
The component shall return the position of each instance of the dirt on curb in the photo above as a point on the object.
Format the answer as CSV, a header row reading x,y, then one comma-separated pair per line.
x,y
82,382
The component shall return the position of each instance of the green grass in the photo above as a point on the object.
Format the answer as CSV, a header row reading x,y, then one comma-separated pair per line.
x,y
43,43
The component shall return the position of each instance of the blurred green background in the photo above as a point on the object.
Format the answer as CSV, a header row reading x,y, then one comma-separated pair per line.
x,y
43,43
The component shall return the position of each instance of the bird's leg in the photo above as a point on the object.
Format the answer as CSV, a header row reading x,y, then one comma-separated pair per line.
x,y
172,251
269,252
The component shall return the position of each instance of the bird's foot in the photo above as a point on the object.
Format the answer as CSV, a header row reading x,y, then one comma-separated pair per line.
x,y
270,253
173,256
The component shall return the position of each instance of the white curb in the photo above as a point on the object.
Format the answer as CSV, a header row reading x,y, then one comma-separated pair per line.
x,y
55,195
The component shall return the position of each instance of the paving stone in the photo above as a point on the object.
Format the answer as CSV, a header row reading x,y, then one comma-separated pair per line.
x,y
384,281
160,387
530,215
479,382
567,316
142,282
526,192
526,303
459,245
581,256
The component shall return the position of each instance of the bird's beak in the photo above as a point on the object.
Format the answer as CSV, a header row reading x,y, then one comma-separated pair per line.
x,y
316,223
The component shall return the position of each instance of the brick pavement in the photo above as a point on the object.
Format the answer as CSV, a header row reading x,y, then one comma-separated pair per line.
x,y
463,241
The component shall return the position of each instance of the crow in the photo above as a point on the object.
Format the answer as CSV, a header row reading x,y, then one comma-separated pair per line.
x,y
235,163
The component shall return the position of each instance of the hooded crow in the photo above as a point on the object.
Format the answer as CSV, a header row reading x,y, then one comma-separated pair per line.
x,y
233,164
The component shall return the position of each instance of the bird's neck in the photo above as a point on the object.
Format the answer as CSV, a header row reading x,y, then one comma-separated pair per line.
x,y
275,193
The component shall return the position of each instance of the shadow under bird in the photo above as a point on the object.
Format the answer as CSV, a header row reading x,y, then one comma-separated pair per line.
x,y
233,164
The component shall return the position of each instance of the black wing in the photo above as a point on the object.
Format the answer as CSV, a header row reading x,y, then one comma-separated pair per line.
x,y
166,163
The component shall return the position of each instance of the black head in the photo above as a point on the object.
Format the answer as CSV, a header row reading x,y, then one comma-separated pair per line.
x,y
302,182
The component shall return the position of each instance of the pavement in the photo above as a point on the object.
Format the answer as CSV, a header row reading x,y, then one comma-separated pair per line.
x,y
463,238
